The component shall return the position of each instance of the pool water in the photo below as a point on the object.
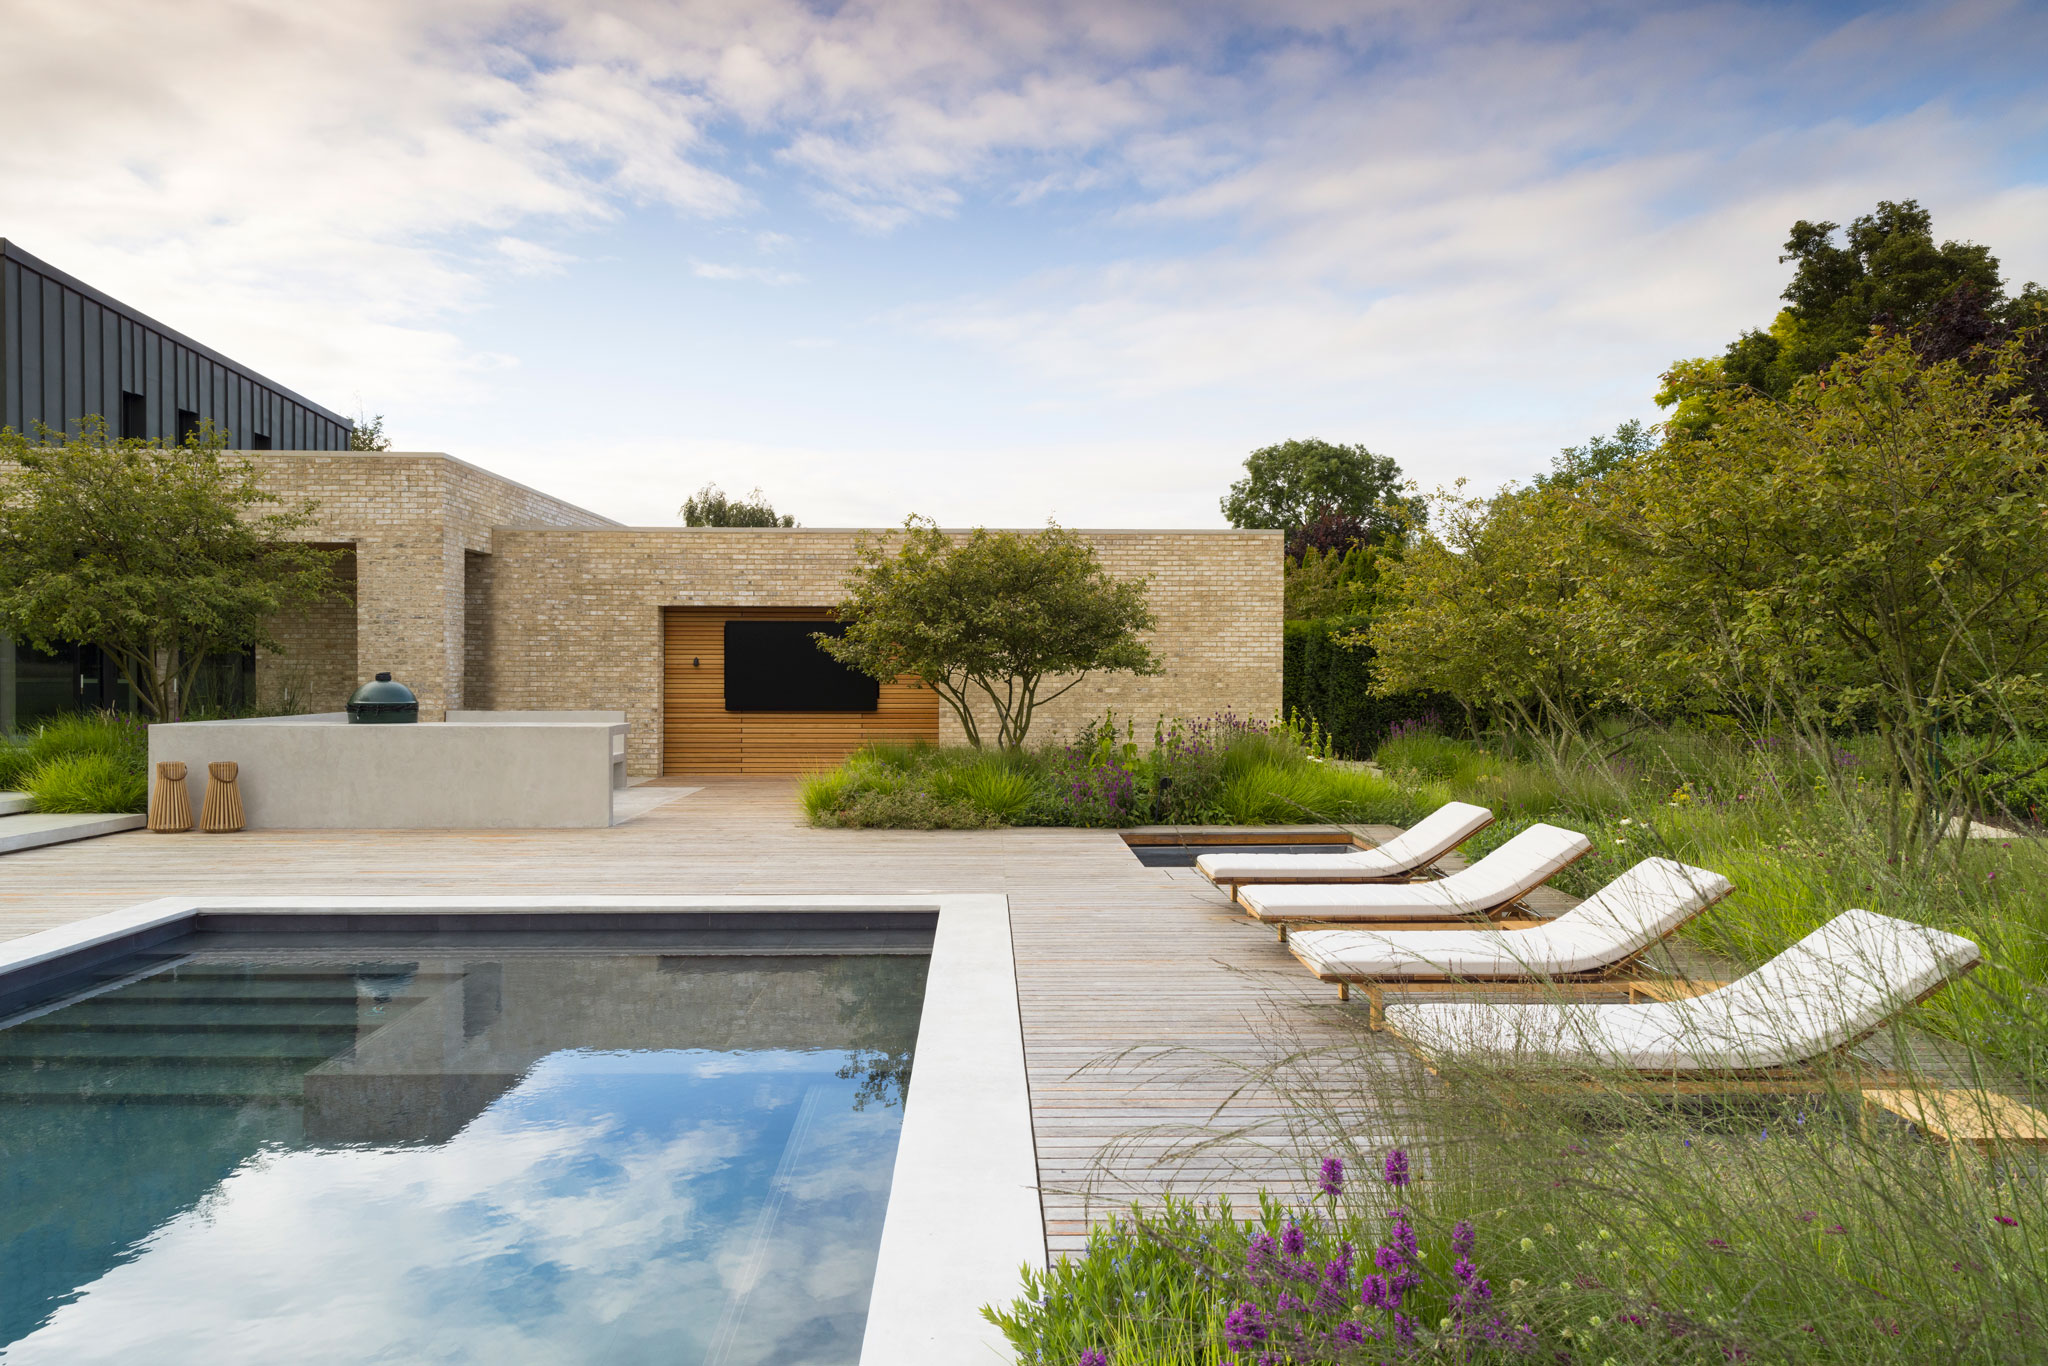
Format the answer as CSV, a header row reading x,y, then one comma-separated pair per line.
x,y
458,1155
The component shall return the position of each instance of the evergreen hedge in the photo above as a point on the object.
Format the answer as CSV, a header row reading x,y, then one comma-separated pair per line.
x,y
1331,683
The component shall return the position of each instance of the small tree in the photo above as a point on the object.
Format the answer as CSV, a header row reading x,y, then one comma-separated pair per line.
x,y
711,506
993,617
367,433
159,556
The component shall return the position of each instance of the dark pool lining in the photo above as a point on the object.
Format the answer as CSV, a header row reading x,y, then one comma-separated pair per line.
x,y
906,930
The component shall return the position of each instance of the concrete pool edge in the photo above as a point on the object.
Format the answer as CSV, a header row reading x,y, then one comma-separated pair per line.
x,y
964,1212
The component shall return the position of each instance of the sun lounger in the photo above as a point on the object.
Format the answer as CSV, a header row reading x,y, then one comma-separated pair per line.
x,y
1829,990
1592,941
1500,879
1411,851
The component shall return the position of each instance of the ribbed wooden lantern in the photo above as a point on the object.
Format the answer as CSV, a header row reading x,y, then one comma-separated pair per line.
x,y
222,813
170,809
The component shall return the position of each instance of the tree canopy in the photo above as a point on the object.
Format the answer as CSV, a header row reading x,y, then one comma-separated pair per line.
x,y
1886,272
159,556
1290,486
990,619
712,506
1576,465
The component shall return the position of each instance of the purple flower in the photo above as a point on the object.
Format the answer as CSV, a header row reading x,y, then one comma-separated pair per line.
x,y
1293,1241
1463,1238
1332,1178
2006,1220
1396,1171
1404,1329
1245,1326
1093,1359
1259,1255
1350,1334
1372,1292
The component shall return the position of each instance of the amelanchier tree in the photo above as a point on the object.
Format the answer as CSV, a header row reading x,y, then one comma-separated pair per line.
x,y
160,556
1872,549
995,618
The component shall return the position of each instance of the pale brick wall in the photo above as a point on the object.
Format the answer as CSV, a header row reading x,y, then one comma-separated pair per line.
x,y
412,518
317,670
574,617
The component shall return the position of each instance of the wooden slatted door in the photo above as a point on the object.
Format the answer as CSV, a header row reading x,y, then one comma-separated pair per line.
x,y
700,736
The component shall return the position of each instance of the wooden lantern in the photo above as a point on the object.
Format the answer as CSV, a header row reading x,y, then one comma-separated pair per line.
x,y
223,810
170,809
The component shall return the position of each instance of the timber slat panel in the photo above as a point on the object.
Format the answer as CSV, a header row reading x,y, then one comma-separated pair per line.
x,y
699,736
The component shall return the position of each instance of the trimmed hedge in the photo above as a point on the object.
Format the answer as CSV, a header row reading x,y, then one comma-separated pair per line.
x,y
1332,684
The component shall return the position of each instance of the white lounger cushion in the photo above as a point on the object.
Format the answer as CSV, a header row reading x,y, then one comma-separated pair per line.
x,y
1623,918
1514,870
1420,845
1829,989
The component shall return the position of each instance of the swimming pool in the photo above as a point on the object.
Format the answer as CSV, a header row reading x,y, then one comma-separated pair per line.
x,y
466,1146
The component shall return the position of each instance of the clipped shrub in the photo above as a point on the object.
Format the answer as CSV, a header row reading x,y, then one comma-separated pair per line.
x,y
1331,683
83,783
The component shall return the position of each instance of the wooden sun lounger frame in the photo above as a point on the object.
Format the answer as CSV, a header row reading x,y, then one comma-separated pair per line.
x,y
1499,917
1419,873
1793,1076
1612,977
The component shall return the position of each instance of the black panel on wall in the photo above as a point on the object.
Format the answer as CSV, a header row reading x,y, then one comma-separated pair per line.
x,y
776,666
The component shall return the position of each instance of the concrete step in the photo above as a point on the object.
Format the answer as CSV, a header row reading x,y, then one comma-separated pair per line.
x,y
14,803
32,830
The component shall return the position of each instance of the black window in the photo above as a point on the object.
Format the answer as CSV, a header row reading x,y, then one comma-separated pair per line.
x,y
776,666
259,442
134,416
188,423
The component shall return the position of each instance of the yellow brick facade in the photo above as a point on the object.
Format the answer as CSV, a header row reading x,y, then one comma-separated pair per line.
x,y
479,592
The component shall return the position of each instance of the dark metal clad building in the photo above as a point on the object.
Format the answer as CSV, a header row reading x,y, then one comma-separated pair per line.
x,y
67,350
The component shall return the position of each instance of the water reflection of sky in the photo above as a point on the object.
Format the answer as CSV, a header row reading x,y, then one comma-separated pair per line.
x,y
668,1206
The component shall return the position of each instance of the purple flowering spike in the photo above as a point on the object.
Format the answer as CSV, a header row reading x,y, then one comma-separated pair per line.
x,y
1093,1359
1245,1326
1404,1329
1372,1292
1350,1334
1331,1181
1395,1173
1293,1241
1463,1238
1258,1256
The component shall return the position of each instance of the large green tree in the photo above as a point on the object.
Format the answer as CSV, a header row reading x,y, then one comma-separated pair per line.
x,y
996,619
1290,486
1871,550
1886,271
159,556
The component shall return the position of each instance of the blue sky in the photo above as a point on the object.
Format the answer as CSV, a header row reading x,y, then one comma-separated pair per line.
x,y
993,263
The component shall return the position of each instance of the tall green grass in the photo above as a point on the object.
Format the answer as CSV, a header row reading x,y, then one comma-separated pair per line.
x,y
81,762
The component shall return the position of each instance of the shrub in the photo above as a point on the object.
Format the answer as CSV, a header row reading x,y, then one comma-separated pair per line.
x,y
94,732
81,783
907,808
15,763
1331,682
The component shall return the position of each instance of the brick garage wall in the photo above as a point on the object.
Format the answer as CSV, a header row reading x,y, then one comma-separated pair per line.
x,y
414,519
573,618
317,670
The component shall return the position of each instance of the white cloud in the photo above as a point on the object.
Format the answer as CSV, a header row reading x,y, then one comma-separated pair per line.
x,y
1469,228
709,270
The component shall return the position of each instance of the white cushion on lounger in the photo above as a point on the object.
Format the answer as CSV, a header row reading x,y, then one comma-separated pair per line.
x,y
1420,845
1514,870
1623,918
1829,989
